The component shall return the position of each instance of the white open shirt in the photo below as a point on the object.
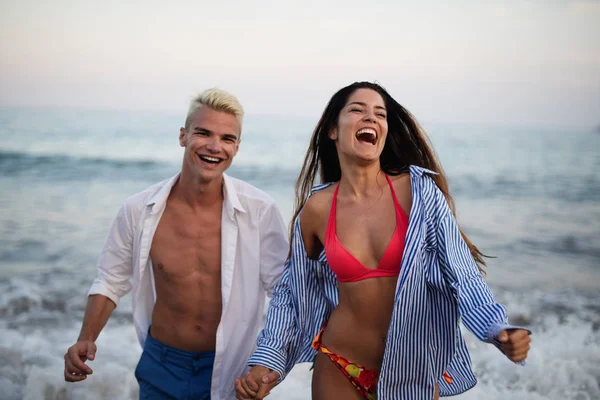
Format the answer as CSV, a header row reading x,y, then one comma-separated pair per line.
x,y
254,247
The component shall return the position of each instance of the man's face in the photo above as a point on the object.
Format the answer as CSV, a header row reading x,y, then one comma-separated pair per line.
x,y
211,142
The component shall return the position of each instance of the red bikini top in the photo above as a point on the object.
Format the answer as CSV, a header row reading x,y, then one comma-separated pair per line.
x,y
346,267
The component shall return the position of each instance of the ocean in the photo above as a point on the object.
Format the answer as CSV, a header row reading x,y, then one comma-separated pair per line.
x,y
528,196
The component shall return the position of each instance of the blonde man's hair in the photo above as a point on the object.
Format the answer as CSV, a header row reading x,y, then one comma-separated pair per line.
x,y
218,100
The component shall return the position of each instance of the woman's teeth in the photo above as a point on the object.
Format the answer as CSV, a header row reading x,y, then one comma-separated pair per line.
x,y
367,135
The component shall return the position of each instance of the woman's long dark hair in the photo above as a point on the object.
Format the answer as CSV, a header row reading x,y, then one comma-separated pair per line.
x,y
406,144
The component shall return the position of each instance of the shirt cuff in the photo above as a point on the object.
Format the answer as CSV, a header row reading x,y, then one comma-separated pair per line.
x,y
492,337
269,357
99,287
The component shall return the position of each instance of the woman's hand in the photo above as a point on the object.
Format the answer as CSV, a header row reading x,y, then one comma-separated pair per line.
x,y
256,384
515,343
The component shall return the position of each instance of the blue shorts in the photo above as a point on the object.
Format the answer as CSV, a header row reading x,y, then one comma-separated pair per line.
x,y
165,372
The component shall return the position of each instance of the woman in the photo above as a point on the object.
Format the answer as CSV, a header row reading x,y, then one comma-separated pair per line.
x,y
379,271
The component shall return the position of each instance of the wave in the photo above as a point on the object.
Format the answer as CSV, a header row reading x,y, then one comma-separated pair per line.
x,y
54,168
62,167
567,245
269,171
15,162
564,187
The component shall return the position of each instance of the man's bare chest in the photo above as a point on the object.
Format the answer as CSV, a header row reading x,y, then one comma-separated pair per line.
x,y
183,245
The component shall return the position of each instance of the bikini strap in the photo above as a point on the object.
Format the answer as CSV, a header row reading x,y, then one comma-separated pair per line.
x,y
331,220
397,207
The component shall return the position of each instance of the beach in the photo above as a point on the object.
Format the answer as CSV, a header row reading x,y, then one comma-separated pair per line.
x,y
528,196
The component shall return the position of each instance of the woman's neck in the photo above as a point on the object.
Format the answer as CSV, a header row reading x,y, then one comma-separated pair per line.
x,y
361,181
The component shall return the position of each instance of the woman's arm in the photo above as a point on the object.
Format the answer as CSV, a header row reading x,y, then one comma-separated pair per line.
x,y
479,311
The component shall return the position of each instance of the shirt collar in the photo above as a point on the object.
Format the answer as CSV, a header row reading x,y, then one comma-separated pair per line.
x,y
414,169
230,197
419,171
232,201
159,199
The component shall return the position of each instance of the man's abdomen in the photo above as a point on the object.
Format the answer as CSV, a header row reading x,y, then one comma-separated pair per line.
x,y
187,312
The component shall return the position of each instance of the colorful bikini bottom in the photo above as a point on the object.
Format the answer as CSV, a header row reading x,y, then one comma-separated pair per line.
x,y
363,379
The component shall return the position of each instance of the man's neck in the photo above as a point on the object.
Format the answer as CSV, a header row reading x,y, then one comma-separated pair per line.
x,y
197,193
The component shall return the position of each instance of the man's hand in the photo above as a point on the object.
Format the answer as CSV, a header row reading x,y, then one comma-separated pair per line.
x,y
515,343
256,384
75,368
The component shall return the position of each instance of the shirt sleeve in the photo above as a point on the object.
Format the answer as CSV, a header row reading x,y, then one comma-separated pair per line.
x,y
115,266
480,312
274,247
280,339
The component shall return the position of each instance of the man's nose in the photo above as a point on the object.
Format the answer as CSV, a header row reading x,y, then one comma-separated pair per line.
x,y
214,145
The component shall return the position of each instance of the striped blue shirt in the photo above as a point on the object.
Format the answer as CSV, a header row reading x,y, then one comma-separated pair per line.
x,y
439,285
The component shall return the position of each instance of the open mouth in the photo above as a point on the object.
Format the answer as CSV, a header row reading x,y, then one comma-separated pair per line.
x,y
209,159
367,135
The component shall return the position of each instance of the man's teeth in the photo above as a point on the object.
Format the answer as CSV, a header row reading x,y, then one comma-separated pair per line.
x,y
209,159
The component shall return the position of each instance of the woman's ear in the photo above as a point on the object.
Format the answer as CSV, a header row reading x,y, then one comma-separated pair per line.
x,y
333,134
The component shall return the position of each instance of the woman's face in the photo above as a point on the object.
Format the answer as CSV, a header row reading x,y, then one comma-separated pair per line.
x,y
362,126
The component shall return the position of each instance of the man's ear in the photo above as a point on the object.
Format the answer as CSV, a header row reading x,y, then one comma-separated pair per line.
x,y
182,137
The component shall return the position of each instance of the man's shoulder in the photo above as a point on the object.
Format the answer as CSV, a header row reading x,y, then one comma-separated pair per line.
x,y
140,199
249,194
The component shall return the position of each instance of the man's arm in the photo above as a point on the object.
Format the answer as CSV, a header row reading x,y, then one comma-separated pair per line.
x,y
274,247
279,343
97,311
114,274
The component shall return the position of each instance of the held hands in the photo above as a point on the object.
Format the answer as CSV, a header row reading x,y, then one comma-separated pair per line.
x,y
515,343
75,368
256,384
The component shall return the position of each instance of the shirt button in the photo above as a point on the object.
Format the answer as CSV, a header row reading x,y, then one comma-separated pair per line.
x,y
196,358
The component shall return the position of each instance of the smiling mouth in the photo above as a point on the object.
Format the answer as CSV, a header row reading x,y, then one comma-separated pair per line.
x,y
210,160
367,135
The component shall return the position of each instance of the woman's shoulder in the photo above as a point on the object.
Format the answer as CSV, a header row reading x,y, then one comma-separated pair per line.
x,y
403,190
313,219
319,203
401,180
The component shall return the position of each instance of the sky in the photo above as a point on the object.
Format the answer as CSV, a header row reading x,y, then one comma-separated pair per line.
x,y
527,62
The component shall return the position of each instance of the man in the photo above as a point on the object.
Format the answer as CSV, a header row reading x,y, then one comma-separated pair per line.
x,y
200,251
